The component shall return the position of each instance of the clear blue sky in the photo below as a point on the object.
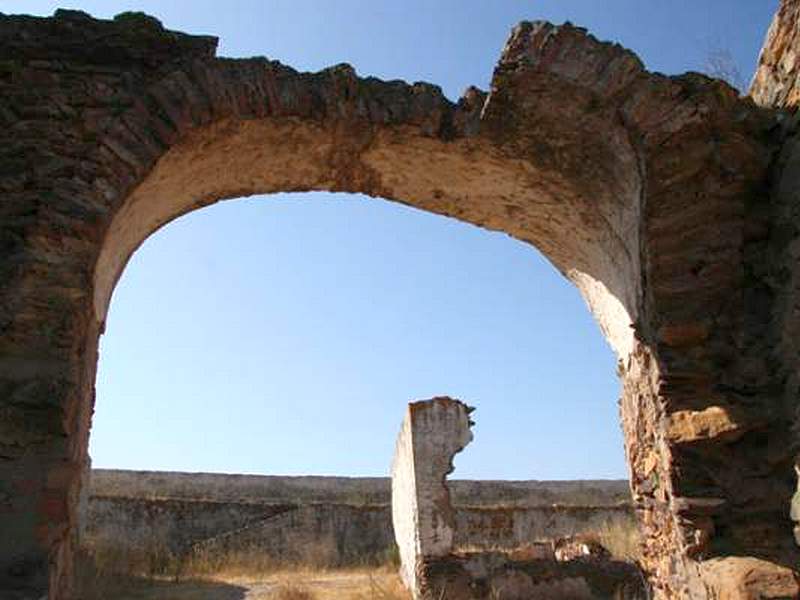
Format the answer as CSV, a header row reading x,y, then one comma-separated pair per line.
x,y
285,334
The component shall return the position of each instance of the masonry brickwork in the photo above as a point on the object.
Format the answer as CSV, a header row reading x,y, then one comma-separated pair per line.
x,y
670,202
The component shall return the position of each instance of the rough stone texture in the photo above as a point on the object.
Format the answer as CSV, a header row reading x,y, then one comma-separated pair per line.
x,y
585,578
733,578
432,433
669,201
487,575
775,82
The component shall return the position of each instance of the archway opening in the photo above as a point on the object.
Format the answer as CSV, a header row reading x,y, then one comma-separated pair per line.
x,y
350,304
283,335
581,158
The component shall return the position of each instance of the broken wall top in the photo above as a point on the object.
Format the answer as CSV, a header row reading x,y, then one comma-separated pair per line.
x,y
777,79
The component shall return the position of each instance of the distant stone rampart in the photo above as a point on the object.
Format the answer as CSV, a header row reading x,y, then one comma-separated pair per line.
x,y
348,490
336,521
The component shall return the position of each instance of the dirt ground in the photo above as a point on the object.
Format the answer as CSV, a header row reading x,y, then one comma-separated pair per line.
x,y
339,585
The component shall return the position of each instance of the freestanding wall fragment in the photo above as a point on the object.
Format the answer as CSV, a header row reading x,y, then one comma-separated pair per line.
x,y
433,432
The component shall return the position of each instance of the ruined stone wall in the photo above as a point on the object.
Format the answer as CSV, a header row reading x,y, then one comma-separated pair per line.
x,y
513,553
668,201
502,527
336,534
239,533
142,526
332,521
405,512
431,433
352,490
777,84
220,487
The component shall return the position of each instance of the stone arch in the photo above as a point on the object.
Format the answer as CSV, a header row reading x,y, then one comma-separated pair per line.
x,y
650,193
400,142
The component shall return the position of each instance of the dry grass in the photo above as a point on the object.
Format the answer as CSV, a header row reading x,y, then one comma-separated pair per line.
x,y
292,592
623,540
335,585
112,568
114,557
106,570
242,562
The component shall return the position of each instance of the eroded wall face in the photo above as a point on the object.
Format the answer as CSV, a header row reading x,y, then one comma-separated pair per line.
x,y
440,428
405,514
432,433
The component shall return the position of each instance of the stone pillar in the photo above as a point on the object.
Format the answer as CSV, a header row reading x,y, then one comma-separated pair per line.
x,y
776,84
433,432
44,429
